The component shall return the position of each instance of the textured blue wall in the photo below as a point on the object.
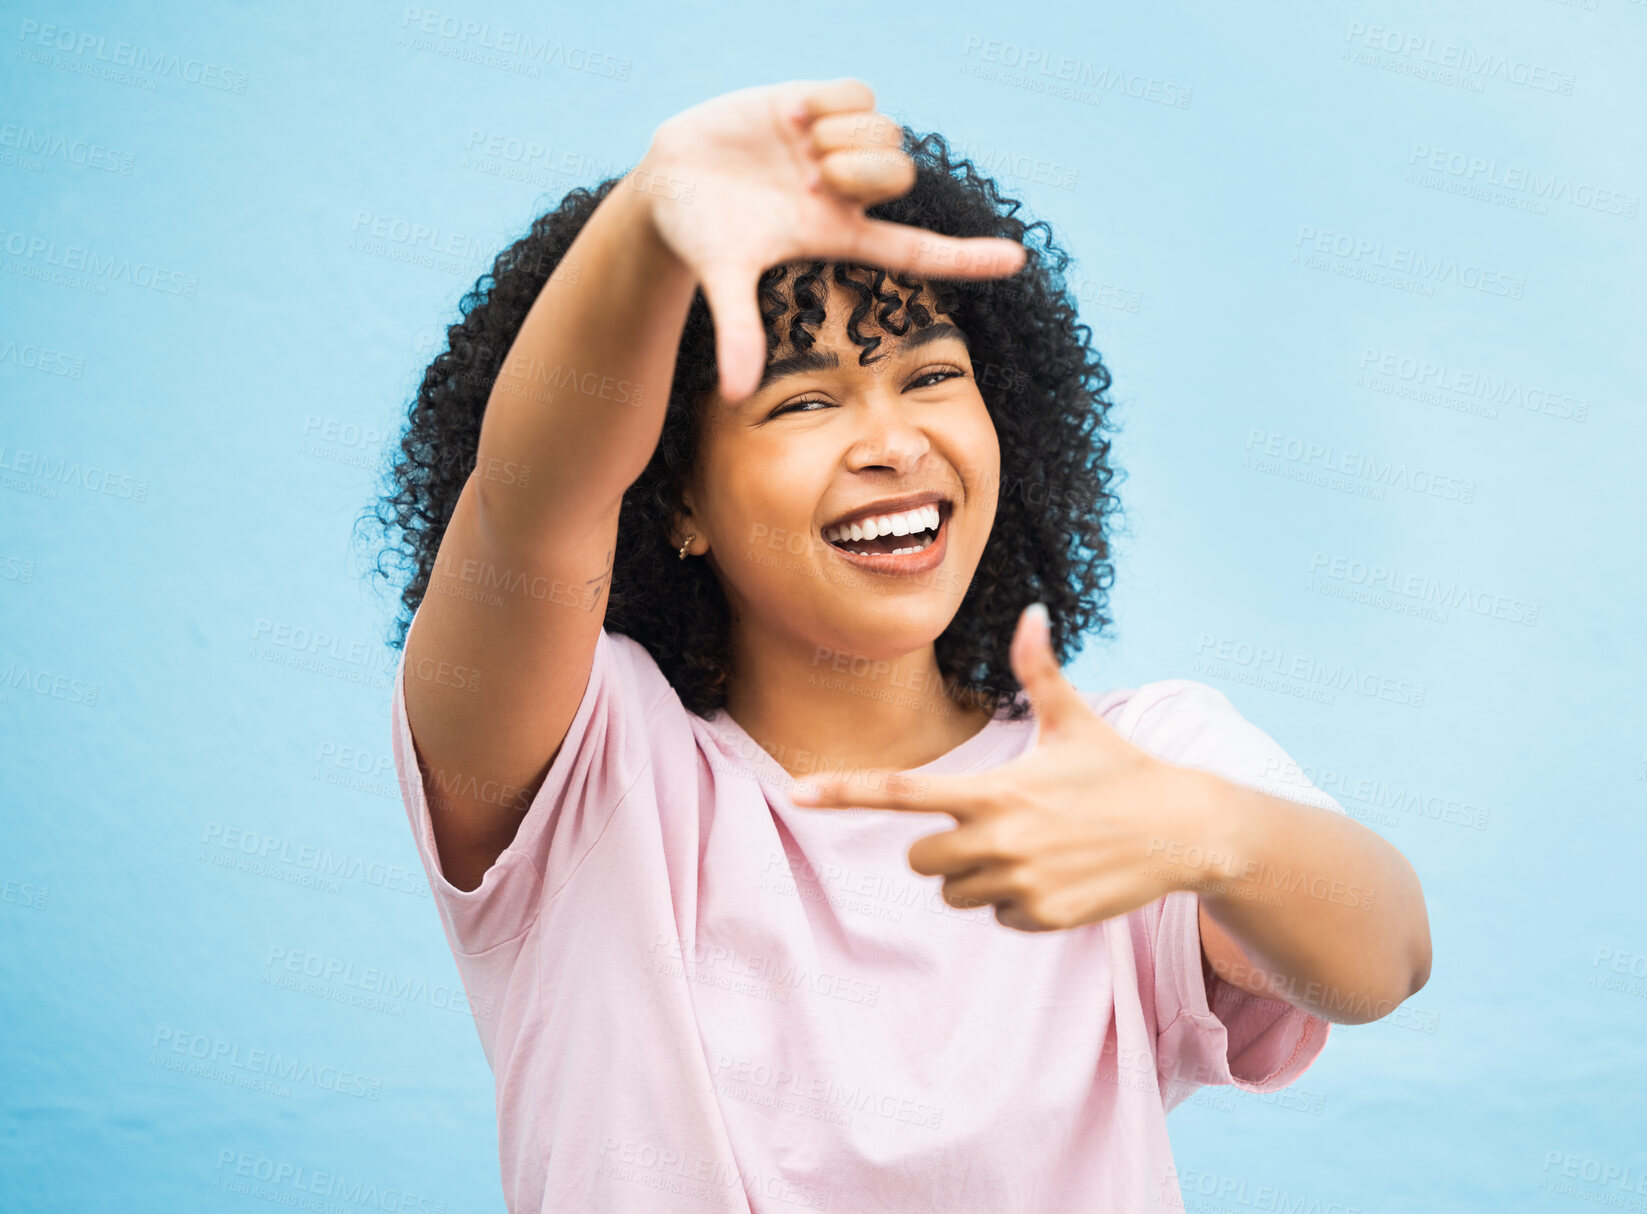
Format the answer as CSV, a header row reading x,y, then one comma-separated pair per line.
x,y
1369,277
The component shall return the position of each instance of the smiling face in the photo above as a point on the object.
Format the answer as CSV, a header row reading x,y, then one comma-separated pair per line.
x,y
794,489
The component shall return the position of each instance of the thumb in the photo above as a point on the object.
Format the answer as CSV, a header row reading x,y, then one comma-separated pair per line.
x,y
740,338
1055,700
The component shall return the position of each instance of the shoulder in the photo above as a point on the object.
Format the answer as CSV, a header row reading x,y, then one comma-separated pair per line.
x,y
1160,709
644,683
628,718
1193,724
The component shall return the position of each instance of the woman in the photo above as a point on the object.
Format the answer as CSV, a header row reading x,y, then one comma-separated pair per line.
x,y
796,413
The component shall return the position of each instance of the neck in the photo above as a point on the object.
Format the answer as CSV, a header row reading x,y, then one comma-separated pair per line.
x,y
827,713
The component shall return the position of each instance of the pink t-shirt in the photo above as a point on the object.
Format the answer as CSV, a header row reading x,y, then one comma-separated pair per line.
x,y
697,996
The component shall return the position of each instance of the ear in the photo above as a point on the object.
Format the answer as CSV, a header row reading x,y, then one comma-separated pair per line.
x,y
686,497
683,523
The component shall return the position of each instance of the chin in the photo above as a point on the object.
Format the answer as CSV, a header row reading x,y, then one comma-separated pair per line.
x,y
885,630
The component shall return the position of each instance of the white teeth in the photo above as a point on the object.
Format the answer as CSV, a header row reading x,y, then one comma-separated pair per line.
x,y
907,522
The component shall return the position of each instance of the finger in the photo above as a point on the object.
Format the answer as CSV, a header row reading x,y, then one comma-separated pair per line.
x,y
1053,697
1011,914
833,132
960,797
867,175
740,339
983,886
952,853
899,246
817,98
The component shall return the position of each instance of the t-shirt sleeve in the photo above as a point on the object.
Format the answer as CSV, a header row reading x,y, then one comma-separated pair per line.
x,y
1218,1033
603,754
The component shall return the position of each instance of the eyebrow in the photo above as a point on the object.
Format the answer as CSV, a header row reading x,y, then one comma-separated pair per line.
x,y
828,360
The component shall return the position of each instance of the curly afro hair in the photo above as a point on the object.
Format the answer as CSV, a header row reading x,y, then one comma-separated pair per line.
x,y
1042,382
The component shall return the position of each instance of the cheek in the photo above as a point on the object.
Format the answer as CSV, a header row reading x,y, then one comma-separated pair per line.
x,y
761,499
988,451
976,454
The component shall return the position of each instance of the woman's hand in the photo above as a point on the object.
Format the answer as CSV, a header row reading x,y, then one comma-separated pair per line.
x,y
782,172
1073,831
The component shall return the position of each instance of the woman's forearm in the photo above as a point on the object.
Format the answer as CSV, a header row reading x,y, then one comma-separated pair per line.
x,y
579,400
1331,916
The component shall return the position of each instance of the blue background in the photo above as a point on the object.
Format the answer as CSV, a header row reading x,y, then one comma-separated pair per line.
x,y
182,533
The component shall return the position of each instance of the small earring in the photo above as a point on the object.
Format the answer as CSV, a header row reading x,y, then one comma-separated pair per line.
x,y
686,545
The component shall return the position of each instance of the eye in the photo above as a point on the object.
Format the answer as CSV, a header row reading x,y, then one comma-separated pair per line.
x,y
794,406
926,379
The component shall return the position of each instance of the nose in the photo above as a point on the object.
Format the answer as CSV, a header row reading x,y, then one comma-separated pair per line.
x,y
887,435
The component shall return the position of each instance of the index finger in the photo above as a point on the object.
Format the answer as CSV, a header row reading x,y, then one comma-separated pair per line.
x,y
901,246
962,797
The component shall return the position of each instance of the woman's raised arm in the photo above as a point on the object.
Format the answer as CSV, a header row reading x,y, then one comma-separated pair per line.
x,y
751,179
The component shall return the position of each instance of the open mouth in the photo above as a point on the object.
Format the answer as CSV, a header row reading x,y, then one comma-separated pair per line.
x,y
901,533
